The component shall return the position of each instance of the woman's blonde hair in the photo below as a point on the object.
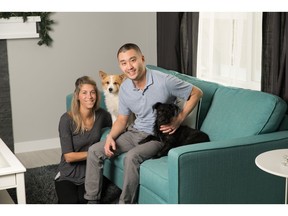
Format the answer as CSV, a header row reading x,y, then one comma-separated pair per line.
x,y
75,105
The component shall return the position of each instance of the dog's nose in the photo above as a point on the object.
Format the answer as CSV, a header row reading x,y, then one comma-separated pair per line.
x,y
110,89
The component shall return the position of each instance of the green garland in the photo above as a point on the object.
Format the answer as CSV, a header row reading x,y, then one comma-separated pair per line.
x,y
43,27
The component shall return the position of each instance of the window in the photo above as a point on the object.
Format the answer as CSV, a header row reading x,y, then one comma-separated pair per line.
x,y
229,48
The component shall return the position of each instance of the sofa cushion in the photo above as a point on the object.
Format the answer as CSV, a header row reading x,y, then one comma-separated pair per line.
x,y
236,112
192,119
208,89
154,176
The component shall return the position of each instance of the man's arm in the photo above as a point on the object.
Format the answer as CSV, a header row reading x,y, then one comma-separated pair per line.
x,y
118,127
195,95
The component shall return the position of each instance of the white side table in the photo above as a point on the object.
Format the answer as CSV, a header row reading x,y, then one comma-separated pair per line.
x,y
11,172
275,162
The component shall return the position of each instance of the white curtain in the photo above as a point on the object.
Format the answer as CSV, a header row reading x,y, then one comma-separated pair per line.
x,y
229,48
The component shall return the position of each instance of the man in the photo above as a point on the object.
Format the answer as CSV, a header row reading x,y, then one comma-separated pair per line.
x,y
137,95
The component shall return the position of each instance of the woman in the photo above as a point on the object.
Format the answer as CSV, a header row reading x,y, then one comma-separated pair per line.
x,y
78,130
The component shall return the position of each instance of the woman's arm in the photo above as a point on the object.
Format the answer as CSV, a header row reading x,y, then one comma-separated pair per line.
x,y
75,156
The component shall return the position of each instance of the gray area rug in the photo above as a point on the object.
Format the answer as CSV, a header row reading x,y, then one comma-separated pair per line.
x,y
40,188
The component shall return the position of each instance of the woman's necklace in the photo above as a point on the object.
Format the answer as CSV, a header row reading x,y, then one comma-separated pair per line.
x,y
89,124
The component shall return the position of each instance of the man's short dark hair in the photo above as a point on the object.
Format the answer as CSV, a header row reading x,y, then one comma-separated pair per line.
x,y
129,46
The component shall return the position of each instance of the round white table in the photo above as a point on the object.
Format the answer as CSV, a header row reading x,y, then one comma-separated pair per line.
x,y
275,162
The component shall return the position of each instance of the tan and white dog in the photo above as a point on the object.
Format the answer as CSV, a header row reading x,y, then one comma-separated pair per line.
x,y
111,85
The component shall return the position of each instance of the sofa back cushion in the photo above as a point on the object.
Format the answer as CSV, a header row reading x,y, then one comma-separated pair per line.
x,y
236,112
284,123
192,119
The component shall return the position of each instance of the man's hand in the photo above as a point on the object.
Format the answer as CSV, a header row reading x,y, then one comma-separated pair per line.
x,y
190,104
118,127
110,146
171,127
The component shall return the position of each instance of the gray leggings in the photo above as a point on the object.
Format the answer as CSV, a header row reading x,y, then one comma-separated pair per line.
x,y
136,154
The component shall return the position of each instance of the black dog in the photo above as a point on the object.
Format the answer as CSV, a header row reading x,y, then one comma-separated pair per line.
x,y
182,136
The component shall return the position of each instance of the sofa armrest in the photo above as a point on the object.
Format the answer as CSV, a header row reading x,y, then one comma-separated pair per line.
x,y
225,171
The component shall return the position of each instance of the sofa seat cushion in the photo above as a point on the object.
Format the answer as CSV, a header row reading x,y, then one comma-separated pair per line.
x,y
236,112
154,176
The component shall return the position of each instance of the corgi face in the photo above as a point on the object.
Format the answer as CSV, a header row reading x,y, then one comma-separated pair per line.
x,y
111,83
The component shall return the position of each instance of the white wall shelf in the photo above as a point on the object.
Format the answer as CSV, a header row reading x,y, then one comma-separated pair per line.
x,y
16,28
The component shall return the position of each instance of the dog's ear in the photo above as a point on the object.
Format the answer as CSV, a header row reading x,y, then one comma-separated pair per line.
x,y
156,105
175,108
123,76
102,74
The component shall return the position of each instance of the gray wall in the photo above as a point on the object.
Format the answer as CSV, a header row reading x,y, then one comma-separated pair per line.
x,y
84,43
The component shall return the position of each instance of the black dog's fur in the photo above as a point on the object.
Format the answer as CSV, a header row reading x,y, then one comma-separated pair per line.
x,y
182,136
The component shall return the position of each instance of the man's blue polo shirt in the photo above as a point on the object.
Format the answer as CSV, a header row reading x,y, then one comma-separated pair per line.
x,y
160,87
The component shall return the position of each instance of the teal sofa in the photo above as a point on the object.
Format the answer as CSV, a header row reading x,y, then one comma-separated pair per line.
x,y
241,124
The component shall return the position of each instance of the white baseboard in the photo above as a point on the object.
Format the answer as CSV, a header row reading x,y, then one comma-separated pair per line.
x,y
36,145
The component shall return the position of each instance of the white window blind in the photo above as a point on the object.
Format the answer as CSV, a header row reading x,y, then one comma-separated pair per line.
x,y
229,48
